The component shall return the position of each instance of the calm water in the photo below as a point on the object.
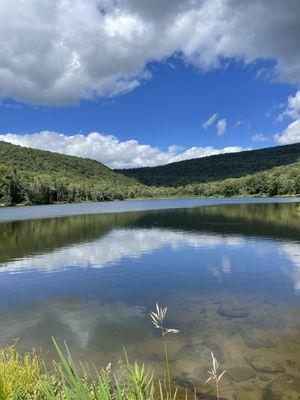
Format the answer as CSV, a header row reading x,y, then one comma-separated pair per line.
x,y
230,275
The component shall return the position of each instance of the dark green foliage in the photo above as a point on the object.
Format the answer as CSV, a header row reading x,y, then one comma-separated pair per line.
x,y
215,168
38,161
280,181
29,176
40,177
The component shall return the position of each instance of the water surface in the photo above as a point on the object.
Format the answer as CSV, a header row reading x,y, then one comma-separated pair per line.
x,y
60,210
229,273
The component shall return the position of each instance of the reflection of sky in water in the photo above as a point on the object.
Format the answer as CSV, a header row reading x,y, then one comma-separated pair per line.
x,y
216,254
292,253
93,281
115,246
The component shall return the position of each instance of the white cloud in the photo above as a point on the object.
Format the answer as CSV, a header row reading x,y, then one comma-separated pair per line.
x,y
239,123
210,121
58,52
109,150
221,126
259,138
291,133
294,105
292,108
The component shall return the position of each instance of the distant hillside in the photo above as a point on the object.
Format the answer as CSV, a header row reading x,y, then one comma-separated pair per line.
x,y
29,176
215,168
33,176
40,161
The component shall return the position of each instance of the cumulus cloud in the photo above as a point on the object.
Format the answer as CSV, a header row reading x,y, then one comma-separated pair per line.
x,y
291,134
293,109
109,150
210,121
58,52
221,126
259,138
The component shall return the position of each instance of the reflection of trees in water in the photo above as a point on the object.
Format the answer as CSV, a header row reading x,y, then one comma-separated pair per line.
x,y
20,239
268,220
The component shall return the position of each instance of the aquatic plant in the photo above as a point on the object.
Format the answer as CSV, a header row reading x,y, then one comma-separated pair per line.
x,y
158,318
214,374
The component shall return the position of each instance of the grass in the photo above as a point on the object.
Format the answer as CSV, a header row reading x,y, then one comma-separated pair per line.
x,y
25,377
20,376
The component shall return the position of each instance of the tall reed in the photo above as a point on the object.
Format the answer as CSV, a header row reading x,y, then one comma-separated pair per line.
x,y
214,373
158,317
134,383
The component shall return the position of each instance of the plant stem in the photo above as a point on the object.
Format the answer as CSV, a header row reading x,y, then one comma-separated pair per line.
x,y
217,385
167,366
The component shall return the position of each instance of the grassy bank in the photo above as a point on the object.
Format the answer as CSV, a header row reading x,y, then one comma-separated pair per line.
x,y
27,377
24,377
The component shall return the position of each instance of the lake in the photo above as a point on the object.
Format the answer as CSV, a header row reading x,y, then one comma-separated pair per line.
x,y
229,273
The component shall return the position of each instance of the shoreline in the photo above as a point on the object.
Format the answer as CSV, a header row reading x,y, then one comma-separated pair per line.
x,y
59,210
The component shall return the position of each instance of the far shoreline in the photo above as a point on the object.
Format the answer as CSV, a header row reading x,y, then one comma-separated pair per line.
x,y
59,210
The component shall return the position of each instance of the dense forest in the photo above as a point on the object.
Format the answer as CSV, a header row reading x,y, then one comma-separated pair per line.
x,y
32,176
29,176
215,168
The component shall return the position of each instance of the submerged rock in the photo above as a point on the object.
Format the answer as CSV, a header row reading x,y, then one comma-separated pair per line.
x,y
207,396
227,392
201,350
233,312
285,387
264,377
266,321
184,383
240,374
195,382
256,343
294,365
155,357
261,364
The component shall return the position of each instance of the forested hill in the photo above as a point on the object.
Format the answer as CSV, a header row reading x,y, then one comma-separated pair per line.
x,y
30,176
39,161
216,168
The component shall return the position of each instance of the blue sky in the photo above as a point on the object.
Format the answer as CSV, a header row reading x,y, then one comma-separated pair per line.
x,y
170,109
138,105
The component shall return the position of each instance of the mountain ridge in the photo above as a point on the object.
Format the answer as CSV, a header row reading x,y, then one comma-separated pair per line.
x,y
31,176
215,167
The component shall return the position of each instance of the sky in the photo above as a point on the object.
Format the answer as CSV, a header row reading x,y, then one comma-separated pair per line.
x,y
136,83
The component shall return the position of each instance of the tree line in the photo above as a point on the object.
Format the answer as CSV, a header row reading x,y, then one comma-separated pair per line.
x,y
33,187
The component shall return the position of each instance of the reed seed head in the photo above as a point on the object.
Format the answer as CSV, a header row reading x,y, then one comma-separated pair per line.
x,y
158,317
213,372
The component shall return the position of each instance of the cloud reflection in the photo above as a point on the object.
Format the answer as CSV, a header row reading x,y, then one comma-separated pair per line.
x,y
117,245
292,252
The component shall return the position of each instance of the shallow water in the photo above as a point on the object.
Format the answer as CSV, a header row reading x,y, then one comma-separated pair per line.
x,y
230,275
